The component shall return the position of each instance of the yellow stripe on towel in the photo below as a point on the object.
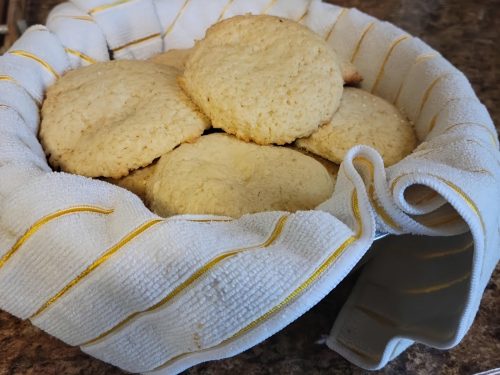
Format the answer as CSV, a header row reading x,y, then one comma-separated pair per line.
x,y
276,309
428,92
457,190
80,55
177,16
7,78
420,59
360,41
268,7
444,253
386,59
224,10
330,32
492,135
102,259
280,224
107,6
79,18
138,41
82,18
11,79
466,198
304,15
33,57
314,276
382,213
438,287
40,223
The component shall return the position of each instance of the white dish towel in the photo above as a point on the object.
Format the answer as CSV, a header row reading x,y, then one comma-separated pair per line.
x,y
88,263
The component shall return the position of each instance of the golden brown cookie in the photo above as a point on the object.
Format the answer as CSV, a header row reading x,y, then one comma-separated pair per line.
x,y
350,74
221,175
136,181
109,118
363,119
264,79
175,57
332,168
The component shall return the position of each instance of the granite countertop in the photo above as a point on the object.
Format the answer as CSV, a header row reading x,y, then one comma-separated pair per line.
x,y
464,31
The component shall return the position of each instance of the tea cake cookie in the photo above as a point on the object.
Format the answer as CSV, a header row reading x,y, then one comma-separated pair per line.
x,y
136,181
264,79
350,74
222,175
363,119
175,57
109,118
332,168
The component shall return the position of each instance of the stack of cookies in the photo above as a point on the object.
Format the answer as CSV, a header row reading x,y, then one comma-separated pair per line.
x,y
254,118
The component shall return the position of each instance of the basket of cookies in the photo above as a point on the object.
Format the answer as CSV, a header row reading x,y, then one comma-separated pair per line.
x,y
179,180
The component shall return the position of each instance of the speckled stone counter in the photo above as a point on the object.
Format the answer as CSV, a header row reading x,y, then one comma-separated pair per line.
x,y
467,33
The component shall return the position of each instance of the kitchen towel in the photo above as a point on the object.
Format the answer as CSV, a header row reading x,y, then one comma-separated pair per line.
x,y
87,262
